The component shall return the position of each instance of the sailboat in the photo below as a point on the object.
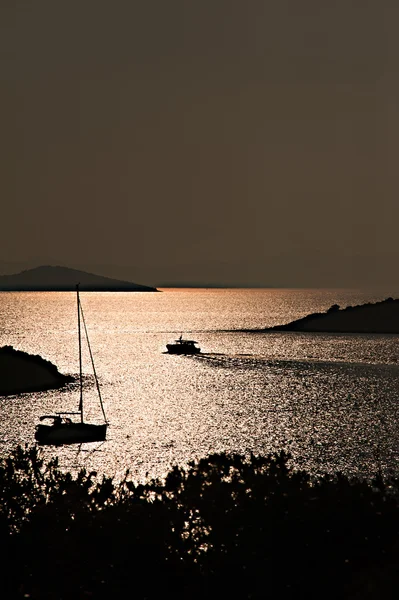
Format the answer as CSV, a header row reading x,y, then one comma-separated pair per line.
x,y
63,430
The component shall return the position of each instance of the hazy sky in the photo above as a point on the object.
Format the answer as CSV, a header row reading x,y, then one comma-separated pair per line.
x,y
223,141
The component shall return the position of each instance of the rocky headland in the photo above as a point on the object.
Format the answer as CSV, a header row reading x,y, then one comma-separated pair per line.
x,y
378,317
22,372
64,279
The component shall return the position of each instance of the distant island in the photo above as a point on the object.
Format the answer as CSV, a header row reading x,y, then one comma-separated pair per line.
x,y
22,372
380,317
63,279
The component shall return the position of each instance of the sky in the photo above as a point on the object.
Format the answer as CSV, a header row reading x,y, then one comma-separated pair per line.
x,y
212,142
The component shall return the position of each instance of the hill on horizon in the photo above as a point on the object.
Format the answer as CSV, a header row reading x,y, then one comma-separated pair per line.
x,y
63,279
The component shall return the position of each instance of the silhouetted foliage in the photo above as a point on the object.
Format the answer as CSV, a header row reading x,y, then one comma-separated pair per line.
x,y
227,526
333,308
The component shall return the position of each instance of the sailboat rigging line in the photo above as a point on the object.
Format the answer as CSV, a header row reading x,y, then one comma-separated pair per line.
x,y
80,356
92,362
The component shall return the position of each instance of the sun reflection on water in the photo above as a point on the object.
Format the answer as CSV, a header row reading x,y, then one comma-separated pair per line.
x,y
330,400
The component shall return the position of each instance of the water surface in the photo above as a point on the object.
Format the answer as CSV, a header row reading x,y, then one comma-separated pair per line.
x,y
330,399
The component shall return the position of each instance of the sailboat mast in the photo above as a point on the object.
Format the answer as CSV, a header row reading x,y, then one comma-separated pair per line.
x,y
92,363
80,357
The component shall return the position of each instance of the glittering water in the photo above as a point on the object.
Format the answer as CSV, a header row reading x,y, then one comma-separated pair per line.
x,y
332,400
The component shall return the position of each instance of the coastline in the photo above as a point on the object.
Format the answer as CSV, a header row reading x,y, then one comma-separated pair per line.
x,y
378,318
23,373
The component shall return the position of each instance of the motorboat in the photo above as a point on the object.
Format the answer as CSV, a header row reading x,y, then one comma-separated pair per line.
x,y
182,346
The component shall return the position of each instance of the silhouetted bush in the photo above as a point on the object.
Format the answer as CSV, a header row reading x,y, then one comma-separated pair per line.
x,y
228,526
333,308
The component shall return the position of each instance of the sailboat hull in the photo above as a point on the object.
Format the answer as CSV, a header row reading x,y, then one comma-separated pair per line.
x,y
70,433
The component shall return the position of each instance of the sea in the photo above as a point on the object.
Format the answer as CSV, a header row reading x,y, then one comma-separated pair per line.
x,y
330,400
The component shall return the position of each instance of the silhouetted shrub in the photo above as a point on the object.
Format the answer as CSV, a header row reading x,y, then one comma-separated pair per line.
x,y
227,526
333,308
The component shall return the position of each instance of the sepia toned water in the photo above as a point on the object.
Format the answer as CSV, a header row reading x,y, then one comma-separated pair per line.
x,y
331,400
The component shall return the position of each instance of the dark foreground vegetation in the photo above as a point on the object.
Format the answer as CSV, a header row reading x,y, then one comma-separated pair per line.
x,y
226,527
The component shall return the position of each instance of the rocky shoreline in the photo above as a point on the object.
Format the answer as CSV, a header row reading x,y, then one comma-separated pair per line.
x,y
379,317
21,372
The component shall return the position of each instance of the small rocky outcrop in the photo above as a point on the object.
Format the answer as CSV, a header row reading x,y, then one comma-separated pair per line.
x,y
378,317
22,372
